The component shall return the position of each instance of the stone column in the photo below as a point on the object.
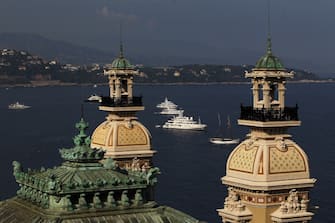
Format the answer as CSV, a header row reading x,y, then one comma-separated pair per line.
x,y
281,94
266,94
111,87
130,88
255,93
117,88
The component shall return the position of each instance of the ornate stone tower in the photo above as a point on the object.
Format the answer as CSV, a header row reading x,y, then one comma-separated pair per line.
x,y
268,174
124,138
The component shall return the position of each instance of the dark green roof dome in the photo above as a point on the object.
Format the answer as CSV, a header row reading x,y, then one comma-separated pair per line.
x,y
269,61
121,62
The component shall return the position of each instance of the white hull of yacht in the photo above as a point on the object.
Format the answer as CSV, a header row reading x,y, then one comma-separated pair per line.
x,y
171,112
196,127
224,141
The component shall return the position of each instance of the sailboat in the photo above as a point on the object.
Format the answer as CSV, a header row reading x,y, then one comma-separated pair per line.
x,y
222,140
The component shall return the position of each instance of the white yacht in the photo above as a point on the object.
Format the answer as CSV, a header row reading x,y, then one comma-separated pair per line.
x,y
18,106
183,122
94,98
166,104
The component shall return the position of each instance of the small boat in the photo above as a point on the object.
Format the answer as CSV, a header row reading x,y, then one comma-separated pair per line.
x,y
18,106
184,122
166,104
222,140
94,98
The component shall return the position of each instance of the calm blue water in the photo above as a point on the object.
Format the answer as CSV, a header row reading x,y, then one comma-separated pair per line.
x,y
191,167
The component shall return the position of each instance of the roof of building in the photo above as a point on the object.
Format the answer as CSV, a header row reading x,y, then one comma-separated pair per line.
x,y
17,211
85,188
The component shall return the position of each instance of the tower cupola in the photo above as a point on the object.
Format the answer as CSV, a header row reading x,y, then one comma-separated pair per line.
x,y
120,75
268,91
122,136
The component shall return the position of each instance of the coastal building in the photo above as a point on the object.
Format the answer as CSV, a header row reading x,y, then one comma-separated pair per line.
x,y
86,188
267,175
124,138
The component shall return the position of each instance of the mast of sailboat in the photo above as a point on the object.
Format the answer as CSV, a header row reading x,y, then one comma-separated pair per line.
x,y
219,119
220,130
229,127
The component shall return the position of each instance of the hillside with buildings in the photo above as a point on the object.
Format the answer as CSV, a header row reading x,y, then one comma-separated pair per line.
x,y
20,67
206,73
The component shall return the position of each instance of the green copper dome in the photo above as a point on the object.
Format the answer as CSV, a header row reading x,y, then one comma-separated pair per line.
x,y
269,61
121,62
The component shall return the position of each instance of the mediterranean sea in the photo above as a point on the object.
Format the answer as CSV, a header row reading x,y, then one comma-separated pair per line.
x,y
191,167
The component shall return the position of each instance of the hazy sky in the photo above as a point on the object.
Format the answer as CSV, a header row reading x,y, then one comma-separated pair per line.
x,y
302,30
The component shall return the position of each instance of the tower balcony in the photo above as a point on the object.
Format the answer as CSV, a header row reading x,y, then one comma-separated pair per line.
x,y
121,104
124,101
269,117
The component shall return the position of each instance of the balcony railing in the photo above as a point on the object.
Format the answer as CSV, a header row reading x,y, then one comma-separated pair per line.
x,y
121,102
269,114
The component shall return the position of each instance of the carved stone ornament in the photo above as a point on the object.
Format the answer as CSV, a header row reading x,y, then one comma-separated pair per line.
x,y
233,202
292,204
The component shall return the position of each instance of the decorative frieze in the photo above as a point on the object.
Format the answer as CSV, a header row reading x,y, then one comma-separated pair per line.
x,y
266,198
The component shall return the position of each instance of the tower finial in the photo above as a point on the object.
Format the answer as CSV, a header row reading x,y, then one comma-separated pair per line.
x,y
269,45
121,45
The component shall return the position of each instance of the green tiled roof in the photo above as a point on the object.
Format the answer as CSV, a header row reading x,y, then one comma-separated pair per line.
x,y
84,181
269,61
121,63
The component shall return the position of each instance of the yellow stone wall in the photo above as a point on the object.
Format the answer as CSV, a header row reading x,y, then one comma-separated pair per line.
x,y
287,161
243,159
131,136
100,134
